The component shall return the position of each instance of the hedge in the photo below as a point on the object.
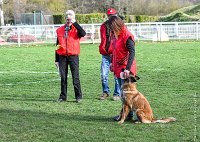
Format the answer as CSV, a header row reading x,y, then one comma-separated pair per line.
x,y
82,18
91,18
101,17
59,19
178,17
140,18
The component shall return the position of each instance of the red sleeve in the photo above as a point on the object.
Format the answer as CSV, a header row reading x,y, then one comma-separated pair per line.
x,y
103,38
103,33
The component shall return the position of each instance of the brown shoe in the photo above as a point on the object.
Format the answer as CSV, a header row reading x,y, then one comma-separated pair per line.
x,y
116,98
103,96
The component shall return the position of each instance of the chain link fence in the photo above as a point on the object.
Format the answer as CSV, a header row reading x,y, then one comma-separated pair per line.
x,y
165,31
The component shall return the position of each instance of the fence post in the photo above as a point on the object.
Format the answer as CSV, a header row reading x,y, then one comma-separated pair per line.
x,y
18,36
160,32
176,26
46,31
157,31
53,30
197,29
140,31
35,31
92,33
99,35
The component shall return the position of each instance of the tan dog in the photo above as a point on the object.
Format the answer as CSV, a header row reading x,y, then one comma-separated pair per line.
x,y
133,100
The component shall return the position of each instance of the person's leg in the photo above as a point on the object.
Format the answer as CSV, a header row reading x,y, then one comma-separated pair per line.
x,y
74,66
117,87
120,82
105,68
117,118
63,68
117,90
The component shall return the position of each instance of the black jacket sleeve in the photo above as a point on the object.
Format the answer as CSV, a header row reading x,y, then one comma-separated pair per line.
x,y
130,45
56,57
81,32
57,42
56,54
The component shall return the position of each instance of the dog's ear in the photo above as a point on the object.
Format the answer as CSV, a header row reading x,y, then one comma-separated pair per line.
x,y
137,77
126,80
132,79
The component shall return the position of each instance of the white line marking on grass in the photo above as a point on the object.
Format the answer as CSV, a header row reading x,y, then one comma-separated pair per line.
x,y
27,72
28,83
158,69
195,117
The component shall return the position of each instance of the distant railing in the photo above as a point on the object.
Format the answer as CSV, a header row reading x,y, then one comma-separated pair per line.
x,y
157,31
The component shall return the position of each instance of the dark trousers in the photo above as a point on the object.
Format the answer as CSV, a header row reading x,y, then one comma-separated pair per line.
x,y
73,62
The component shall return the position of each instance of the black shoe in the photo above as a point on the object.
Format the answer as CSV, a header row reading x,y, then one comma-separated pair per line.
x,y
117,118
78,100
129,118
61,100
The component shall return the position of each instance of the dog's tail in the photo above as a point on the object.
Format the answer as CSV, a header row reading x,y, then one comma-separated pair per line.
x,y
165,120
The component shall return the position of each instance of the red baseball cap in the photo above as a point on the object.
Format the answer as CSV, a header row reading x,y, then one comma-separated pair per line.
x,y
111,11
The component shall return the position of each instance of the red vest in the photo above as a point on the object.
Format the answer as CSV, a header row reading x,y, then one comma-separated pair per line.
x,y
120,53
71,44
102,46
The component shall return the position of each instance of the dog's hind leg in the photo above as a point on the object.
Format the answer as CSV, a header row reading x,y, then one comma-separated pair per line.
x,y
141,117
124,113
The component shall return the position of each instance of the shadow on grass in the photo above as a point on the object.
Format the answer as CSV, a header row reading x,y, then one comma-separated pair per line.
x,y
26,99
28,115
39,99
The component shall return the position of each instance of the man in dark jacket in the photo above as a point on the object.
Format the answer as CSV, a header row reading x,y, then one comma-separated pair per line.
x,y
68,41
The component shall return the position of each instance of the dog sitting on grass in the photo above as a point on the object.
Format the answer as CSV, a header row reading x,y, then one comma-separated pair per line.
x,y
133,100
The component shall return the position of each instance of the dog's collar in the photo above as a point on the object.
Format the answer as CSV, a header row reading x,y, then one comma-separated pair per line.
x,y
131,91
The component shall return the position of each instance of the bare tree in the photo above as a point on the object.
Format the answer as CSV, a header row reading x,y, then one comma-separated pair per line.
x,y
14,8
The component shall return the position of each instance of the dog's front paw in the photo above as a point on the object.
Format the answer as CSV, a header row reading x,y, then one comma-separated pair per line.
x,y
120,122
136,121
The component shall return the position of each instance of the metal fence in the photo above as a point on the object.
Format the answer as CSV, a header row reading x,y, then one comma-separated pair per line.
x,y
157,31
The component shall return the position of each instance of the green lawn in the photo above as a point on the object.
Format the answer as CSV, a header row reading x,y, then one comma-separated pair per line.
x,y
29,86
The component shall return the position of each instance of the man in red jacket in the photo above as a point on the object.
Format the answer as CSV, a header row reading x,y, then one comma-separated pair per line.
x,y
68,41
105,49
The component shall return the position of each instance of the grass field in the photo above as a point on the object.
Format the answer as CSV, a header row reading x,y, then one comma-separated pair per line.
x,y
29,86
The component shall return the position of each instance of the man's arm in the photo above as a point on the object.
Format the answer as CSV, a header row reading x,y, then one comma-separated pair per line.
x,y
81,31
130,45
56,57
56,54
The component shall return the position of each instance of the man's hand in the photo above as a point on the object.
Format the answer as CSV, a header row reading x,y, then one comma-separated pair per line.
x,y
111,67
57,64
126,73
73,20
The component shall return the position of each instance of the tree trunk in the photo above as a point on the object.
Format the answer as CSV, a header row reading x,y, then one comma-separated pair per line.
x,y
1,13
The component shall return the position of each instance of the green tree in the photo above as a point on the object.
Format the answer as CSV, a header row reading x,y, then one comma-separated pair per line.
x,y
58,6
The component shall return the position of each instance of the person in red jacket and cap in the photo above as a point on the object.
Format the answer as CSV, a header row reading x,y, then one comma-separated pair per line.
x,y
105,49
68,42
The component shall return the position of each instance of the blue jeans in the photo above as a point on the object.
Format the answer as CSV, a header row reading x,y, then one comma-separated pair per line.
x,y
105,68
121,81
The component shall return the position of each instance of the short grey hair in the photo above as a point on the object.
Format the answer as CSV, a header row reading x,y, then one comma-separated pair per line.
x,y
70,12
